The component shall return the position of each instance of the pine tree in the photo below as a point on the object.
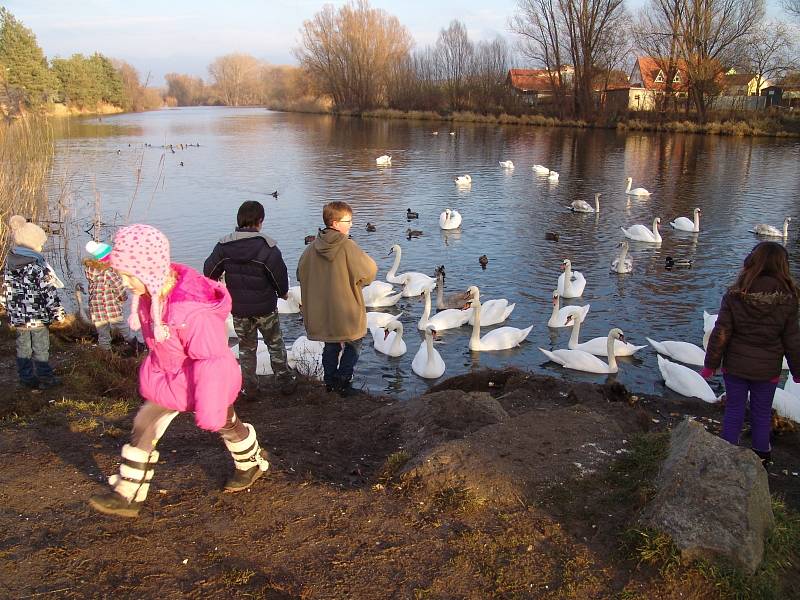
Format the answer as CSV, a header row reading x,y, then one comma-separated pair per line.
x,y
22,60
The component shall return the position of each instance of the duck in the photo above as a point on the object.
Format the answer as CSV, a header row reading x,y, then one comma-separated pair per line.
x,y
380,294
635,191
501,338
457,300
427,362
413,281
274,194
558,318
640,233
685,381
180,164
677,263
308,239
371,227
540,170
597,346
410,214
685,224
578,360
770,231
449,219
552,176
483,260
622,263
492,311
570,283
292,303
582,206
506,164
463,180
305,356
450,318
383,160
551,236
381,319
413,233
684,352
388,340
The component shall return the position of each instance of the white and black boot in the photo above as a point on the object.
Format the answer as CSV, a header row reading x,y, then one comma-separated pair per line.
x,y
249,459
130,486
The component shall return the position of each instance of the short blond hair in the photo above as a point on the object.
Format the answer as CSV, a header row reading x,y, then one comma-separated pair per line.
x,y
334,211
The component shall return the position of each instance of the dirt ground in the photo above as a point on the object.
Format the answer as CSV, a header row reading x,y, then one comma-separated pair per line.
x,y
499,494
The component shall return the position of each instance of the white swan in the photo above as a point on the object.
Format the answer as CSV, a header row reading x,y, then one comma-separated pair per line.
x,y
685,381
622,263
450,219
492,311
579,360
506,164
389,340
427,361
685,224
791,387
584,207
570,283
634,191
380,294
597,346
552,176
381,319
640,233
540,170
463,180
305,357
501,338
684,352
292,303
558,318
786,404
413,281
770,231
383,160
446,319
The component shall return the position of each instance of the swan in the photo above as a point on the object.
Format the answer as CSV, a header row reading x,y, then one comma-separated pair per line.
x,y
292,303
559,316
584,207
540,170
598,345
450,219
770,231
622,263
791,387
492,311
427,361
634,191
684,352
640,233
457,300
378,294
684,224
685,381
381,319
501,338
446,319
389,339
463,180
786,404
383,160
579,360
570,283
413,281
506,164
552,176
305,357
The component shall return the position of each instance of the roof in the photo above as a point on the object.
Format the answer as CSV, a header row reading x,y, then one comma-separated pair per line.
x,y
647,69
738,79
531,80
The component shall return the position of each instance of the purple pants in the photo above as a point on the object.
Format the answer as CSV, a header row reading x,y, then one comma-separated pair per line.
x,y
761,394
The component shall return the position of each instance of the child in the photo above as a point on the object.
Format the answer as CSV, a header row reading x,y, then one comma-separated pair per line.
x,y
756,327
331,272
106,294
189,367
32,303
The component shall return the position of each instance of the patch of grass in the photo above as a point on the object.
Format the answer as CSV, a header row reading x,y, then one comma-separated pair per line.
x,y
456,498
394,462
237,577
653,548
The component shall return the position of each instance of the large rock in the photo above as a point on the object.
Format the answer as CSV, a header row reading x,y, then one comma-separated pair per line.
x,y
712,498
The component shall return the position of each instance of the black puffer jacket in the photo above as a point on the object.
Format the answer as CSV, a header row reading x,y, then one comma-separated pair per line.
x,y
255,273
754,331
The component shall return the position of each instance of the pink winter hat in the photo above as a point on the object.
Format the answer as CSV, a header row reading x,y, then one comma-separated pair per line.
x,y
143,251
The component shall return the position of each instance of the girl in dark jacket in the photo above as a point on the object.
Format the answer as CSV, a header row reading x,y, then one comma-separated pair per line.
x,y
756,327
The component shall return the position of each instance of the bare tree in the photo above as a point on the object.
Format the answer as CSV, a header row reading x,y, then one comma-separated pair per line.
x,y
454,54
792,7
770,52
236,77
185,89
491,61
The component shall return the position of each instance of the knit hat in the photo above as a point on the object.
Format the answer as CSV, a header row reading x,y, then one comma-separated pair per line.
x,y
143,251
27,234
99,250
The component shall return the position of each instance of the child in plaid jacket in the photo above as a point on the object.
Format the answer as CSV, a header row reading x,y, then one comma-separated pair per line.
x,y
107,294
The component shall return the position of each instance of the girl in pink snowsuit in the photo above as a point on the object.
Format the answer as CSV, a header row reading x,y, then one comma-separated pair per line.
x,y
189,366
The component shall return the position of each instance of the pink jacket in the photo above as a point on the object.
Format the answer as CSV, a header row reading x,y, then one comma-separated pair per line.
x,y
192,370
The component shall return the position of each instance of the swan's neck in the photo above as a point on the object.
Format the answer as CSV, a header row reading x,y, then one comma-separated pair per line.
x,y
440,291
398,338
612,359
426,313
393,271
556,305
697,221
576,332
567,280
621,259
475,339
706,337
786,229
656,235
596,203
628,187
429,347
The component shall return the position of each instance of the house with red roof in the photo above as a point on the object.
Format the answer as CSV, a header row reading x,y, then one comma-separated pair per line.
x,y
536,85
652,79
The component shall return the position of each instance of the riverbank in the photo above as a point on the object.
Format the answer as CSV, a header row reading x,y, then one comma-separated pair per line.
x,y
493,484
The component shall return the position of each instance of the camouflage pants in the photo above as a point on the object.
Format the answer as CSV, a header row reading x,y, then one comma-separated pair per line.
x,y
270,328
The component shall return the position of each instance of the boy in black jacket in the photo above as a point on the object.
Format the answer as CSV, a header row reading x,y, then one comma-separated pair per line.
x,y
256,277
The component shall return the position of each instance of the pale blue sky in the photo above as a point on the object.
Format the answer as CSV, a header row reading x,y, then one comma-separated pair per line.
x,y
160,36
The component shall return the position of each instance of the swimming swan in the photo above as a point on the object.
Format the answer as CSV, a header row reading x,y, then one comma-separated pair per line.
x,y
634,191
292,303
584,207
540,170
446,319
501,338
463,180
622,263
685,381
492,311
684,352
450,219
570,283
389,339
640,233
558,318
684,224
579,360
427,361
770,231
597,346
383,160
506,164
380,294
413,281
381,319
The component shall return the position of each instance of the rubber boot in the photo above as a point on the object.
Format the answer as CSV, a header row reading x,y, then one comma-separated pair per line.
x,y
130,486
766,458
249,459
47,378
27,375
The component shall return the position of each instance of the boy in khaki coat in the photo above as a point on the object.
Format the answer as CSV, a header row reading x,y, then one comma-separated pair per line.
x,y
331,272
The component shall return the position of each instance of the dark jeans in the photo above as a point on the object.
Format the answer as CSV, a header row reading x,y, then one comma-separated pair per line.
x,y
761,394
270,328
339,370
